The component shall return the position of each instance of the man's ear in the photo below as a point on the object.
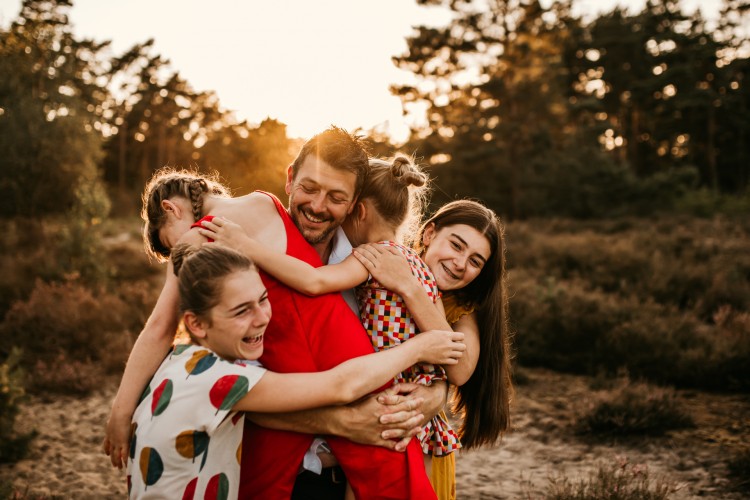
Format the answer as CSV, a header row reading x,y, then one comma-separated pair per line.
x,y
289,180
197,326
170,206
428,234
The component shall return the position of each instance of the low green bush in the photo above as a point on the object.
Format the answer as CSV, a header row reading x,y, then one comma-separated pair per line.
x,y
666,299
739,471
71,333
616,481
13,446
637,409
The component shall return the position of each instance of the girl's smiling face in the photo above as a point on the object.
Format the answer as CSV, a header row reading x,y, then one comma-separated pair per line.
x,y
239,320
455,254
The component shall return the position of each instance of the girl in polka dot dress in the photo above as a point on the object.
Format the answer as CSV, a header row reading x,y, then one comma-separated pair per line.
x,y
187,429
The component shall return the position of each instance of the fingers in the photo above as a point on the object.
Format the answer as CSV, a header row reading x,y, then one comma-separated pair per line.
x,y
400,421
405,387
117,453
403,443
363,260
115,458
366,258
372,248
457,336
411,427
395,403
214,225
391,249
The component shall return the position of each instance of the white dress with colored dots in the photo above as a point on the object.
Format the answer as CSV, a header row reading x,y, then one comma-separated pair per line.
x,y
186,442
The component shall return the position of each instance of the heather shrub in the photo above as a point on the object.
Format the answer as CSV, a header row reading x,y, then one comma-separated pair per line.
x,y
52,249
705,202
637,409
666,299
65,326
62,375
13,446
654,342
560,326
739,470
616,481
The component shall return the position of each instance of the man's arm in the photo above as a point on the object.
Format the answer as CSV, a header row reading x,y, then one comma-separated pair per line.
x,y
388,419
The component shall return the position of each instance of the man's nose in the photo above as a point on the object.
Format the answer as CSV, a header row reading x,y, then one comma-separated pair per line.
x,y
318,203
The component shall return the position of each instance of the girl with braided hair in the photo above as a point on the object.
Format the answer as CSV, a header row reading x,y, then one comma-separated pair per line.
x,y
389,205
169,200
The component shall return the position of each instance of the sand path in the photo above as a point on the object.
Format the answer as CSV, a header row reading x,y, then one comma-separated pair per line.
x,y
65,460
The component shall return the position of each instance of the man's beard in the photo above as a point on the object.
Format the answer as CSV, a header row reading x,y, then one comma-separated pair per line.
x,y
313,238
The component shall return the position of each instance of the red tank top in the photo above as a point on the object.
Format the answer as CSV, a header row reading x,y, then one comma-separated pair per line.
x,y
207,218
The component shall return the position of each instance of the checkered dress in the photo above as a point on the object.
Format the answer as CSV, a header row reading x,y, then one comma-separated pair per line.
x,y
387,320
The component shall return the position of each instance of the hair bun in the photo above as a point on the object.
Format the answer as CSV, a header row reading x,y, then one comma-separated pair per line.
x,y
403,169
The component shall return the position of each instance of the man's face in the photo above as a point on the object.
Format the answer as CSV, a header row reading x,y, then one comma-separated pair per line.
x,y
320,198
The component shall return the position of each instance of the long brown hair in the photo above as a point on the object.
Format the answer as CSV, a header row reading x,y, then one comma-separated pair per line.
x,y
484,400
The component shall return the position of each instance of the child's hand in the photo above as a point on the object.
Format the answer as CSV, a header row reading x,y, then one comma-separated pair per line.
x,y
441,347
116,442
225,232
386,264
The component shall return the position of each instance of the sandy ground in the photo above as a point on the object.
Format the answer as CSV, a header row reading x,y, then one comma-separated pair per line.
x,y
65,460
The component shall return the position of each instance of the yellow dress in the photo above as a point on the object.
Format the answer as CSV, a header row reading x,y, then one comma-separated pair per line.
x,y
443,476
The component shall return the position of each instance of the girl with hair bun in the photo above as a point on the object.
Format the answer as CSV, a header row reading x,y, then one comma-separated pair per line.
x,y
388,208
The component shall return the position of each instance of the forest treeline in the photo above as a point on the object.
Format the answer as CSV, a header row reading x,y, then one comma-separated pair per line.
x,y
531,109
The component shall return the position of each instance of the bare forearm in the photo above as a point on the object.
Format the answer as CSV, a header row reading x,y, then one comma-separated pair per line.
x,y
316,421
145,358
423,309
461,372
435,396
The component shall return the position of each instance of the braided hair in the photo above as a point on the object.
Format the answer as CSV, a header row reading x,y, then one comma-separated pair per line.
x,y
167,183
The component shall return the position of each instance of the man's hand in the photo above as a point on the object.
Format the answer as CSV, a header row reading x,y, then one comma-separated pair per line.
x,y
389,419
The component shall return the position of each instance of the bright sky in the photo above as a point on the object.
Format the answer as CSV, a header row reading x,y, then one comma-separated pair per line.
x,y
307,63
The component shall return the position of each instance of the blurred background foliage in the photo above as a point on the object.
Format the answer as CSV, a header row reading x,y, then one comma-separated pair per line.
x,y
615,148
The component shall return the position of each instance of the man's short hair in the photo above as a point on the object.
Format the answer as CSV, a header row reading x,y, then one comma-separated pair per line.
x,y
341,150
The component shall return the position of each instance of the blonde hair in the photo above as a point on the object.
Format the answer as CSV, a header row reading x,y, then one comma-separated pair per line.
x,y
167,183
397,189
